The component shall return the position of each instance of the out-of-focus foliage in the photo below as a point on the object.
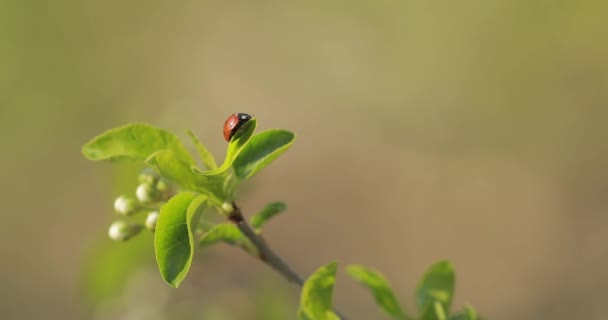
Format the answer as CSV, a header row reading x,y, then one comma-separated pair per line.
x,y
380,289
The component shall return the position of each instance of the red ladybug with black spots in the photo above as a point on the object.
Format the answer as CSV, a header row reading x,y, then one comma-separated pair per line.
x,y
234,123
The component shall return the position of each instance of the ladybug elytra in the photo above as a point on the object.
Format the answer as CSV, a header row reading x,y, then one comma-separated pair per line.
x,y
234,123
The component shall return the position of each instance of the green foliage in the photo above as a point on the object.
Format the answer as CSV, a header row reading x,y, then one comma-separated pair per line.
x,y
177,226
222,232
179,172
261,151
174,240
235,146
203,152
271,210
317,294
133,141
227,233
435,291
468,314
238,142
380,289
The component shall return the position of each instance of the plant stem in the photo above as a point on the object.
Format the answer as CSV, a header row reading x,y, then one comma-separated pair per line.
x,y
265,254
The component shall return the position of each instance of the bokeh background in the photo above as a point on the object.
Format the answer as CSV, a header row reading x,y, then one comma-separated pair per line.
x,y
471,130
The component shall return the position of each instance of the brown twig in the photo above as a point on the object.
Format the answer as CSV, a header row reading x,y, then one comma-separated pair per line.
x,y
265,254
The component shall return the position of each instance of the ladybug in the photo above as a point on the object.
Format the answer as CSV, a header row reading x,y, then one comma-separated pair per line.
x,y
234,123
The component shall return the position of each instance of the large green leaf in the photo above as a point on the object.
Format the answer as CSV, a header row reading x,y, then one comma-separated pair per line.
x,y
206,156
380,289
317,294
174,239
272,209
435,291
133,141
261,150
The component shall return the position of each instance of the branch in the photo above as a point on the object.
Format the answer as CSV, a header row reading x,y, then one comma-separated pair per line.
x,y
266,255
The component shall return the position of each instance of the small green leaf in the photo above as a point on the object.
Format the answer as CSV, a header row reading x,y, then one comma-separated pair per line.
x,y
223,232
317,294
229,234
263,148
437,285
174,240
133,141
235,146
438,312
179,172
272,209
380,289
206,156
239,141
468,314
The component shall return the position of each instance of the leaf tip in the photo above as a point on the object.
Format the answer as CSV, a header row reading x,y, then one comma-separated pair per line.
x,y
444,266
174,284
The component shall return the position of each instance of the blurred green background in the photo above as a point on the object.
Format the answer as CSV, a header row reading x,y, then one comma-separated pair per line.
x,y
470,130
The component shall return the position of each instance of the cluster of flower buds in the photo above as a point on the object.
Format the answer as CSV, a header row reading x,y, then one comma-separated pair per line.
x,y
150,194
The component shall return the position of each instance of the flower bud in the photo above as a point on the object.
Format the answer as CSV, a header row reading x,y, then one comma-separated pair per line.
x,y
162,185
148,176
122,231
151,220
147,193
227,207
125,205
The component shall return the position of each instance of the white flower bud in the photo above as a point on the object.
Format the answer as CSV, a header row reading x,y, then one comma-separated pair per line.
x,y
146,193
148,176
122,231
125,206
151,220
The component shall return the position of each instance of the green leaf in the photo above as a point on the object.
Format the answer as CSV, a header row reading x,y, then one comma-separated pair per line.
x,y
437,313
239,141
133,141
302,315
206,156
317,294
174,239
235,146
437,285
380,289
223,232
263,148
272,209
229,234
468,314
221,181
168,165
